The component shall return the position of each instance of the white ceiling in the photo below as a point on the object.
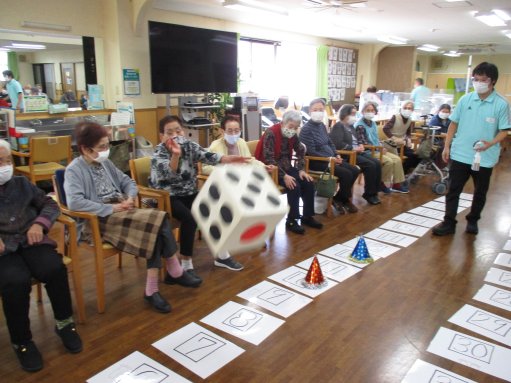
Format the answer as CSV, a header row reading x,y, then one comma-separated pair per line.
x,y
419,21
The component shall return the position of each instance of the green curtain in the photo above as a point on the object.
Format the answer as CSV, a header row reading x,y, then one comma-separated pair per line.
x,y
12,64
322,72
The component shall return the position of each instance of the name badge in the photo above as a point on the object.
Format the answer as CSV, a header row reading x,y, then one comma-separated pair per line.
x,y
490,120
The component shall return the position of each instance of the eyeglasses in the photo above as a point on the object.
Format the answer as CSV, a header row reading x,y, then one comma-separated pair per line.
x,y
486,80
170,132
103,147
233,131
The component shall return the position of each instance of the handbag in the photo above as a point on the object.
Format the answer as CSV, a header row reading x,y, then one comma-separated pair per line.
x,y
326,185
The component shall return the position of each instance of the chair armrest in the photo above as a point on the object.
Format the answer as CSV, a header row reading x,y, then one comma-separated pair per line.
x,y
144,192
331,161
375,148
20,154
351,154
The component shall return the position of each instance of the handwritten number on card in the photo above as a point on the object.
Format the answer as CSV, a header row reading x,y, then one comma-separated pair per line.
x,y
490,323
199,346
276,296
472,348
443,377
243,319
502,297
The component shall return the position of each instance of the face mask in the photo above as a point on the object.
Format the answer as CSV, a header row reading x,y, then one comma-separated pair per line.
x,y
5,174
406,113
232,138
179,139
352,120
481,87
443,116
289,133
317,116
369,116
102,156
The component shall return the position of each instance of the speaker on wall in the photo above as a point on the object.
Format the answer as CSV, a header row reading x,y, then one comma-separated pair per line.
x,y
89,60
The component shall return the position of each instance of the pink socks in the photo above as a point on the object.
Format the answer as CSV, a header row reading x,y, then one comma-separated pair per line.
x,y
174,268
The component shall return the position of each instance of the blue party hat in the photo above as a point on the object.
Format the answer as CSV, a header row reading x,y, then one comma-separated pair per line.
x,y
360,253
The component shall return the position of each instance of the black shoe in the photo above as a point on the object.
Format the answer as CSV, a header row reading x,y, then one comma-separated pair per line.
x,y
339,207
29,356
372,200
350,208
472,228
186,280
294,227
444,228
194,274
311,222
229,263
70,338
158,302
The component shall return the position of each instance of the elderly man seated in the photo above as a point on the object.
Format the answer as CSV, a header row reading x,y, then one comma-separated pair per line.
x,y
25,253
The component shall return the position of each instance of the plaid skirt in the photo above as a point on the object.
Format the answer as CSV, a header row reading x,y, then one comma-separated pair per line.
x,y
133,231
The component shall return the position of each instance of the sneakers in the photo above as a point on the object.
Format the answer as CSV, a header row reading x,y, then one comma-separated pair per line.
x,y
385,189
444,228
372,200
70,338
229,263
350,208
186,280
471,228
158,302
29,356
294,227
400,188
311,222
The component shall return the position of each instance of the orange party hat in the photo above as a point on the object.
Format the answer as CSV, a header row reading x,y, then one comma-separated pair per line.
x,y
314,278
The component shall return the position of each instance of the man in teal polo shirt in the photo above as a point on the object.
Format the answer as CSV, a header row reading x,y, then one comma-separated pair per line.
x,y
480,122
14,90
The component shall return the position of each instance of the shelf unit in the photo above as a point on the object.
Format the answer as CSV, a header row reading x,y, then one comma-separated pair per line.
x,y
4,122
197,132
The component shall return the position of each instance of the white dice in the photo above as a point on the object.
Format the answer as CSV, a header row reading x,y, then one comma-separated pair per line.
x,y
238,208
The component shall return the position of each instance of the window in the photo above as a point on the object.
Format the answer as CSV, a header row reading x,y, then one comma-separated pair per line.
x,y
271,69
3,61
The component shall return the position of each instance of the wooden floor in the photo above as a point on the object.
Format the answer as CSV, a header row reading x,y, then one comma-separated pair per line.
x,y
370,328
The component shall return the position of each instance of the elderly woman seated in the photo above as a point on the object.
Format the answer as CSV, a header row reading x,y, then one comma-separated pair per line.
x,y
25,253
93,184
344,137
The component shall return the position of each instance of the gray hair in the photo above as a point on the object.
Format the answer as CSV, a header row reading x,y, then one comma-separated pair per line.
x,y
371,103
345,110
405,102
4,144
317,101
293,116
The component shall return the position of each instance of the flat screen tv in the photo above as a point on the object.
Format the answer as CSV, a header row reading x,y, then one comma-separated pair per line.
x,y
191,60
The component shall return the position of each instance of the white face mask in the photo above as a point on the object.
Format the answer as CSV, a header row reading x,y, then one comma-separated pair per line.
x,y
6,174
352,120
179,139
232,138
406,113
369,116
317,116
102,156
289,133
443,116
481,87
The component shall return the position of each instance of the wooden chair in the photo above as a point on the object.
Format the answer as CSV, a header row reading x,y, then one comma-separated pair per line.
x,y
44,157
71,258
101,250
316,174
383,137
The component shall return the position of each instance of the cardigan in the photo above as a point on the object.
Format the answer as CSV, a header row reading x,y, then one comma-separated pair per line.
x,y
315,137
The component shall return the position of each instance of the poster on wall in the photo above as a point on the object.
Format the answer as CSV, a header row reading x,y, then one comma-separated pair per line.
x,y
131,82
342,74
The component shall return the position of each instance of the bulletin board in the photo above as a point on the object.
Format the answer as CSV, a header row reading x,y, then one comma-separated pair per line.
x,y
342,74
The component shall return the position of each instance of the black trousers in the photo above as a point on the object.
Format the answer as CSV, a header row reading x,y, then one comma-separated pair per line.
x,y
371,168
165,246
181,210
411,161
459,174
304,190
346,173
16,272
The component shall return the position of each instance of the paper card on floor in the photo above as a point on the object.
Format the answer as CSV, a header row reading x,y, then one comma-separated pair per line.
x,y
494,296
503,259
441,206
391,237
338,271
467,196
293,276
483,322
245,322
405,228
275,298
376,249
137,368
430,213
472,352
499,277
201,351
342,253
417,220
507,246
440,199
423,372
464,203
